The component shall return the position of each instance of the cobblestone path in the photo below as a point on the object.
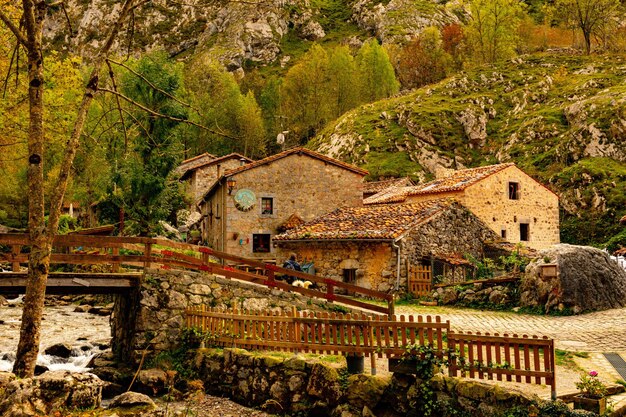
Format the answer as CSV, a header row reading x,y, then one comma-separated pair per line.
x,y
603,331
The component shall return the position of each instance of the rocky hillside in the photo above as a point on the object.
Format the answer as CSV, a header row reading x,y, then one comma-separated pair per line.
x,y
240,33
560,117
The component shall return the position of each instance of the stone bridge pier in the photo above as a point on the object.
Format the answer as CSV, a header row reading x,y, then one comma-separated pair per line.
x,y
152,316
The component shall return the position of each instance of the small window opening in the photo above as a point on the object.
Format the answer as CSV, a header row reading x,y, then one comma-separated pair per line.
x,y
503,233
514,191
349,277
261,243
524,232
267,205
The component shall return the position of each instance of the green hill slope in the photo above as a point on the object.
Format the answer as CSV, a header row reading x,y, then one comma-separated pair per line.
x,y
561,118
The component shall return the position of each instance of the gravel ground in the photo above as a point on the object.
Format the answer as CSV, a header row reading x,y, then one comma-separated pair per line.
x,y
209,406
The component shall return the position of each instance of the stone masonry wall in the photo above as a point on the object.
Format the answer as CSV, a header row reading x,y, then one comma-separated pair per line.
x,y
204,177
294,386
298,184
154,316
489,201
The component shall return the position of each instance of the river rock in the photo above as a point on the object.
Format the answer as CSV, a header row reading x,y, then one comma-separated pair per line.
x,y
587,280
51,391
132,399
61,350
152,381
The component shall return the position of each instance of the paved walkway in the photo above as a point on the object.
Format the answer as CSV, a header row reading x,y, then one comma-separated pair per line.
x,y
603,331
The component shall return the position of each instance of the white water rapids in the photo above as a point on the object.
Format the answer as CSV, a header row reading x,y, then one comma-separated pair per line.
x,y
87,334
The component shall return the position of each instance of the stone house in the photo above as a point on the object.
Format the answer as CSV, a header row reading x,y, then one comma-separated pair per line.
x,y
514,205
248,205
201,172
380,246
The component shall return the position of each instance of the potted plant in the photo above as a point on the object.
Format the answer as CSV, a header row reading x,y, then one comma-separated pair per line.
x,y
592,395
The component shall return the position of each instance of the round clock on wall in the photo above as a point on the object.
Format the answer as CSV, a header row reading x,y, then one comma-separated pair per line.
x,y
244,199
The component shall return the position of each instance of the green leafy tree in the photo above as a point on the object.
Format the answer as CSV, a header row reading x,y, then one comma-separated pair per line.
x,y
342,77
305,95
146,193
492,31
376,74
234,120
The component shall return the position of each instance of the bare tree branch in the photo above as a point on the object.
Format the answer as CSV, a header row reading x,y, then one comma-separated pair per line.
x,y
154,87
165,116
16,31
119,105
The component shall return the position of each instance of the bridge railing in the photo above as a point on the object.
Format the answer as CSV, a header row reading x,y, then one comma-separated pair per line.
x,y
143,252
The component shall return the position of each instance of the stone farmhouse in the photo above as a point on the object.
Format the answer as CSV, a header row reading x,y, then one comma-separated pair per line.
x,y
505,198
201,172
245,207
384,247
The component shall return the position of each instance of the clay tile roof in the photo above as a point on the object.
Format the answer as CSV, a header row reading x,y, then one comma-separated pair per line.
x,y
373,187
456,181
620,252
453,259
191,163
623,220
185,170
292,151
380,222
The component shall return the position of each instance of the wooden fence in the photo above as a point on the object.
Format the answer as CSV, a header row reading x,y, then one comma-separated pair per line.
x,y
420,280
522,359
142,252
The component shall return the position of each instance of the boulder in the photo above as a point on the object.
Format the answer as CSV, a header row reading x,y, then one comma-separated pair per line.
x,y
324,383
151,382
50,391
587,280
61,350
132,399
365,391
449,296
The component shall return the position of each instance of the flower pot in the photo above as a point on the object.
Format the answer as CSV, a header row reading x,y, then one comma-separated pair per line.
x,y
596,405
356,364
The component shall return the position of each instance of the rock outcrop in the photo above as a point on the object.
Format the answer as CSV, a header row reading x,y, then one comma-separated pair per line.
x,y
51,391
587,280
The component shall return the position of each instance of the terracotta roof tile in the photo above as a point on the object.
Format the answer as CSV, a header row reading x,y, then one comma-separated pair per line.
x,y
373,187
456,181
298,150
291,223
369,222
623,220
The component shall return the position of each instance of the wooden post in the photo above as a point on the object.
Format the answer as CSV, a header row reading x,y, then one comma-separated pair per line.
x,y
370,330
116,266
391,307
15,251
552,370
296,329
147,253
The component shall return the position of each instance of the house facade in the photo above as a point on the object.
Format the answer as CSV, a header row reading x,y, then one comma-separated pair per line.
x,y
510,202
247,206
381,246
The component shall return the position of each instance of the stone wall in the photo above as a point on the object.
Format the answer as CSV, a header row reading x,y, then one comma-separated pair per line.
x,y
293,386
298,184
204,177
489,201
454,231
153,317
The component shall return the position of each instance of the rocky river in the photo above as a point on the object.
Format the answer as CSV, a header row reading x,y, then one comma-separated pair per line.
x,y
85,334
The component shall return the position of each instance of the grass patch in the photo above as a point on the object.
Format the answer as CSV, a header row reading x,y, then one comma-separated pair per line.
x,y
566,359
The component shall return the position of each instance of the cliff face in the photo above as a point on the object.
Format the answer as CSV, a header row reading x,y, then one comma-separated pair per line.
x,y
561,118
238,32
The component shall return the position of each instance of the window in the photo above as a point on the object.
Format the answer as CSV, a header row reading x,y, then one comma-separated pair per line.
x,y
503,233
261,243
267,205
513,191
524,232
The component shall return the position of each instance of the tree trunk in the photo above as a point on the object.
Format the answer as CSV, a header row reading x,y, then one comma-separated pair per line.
x,y
39,259
41,238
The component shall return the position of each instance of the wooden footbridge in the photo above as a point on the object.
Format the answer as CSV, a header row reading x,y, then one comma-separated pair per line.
x,y
124,260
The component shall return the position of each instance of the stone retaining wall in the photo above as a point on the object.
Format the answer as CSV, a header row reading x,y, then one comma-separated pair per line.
x,y
153,316
301,387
